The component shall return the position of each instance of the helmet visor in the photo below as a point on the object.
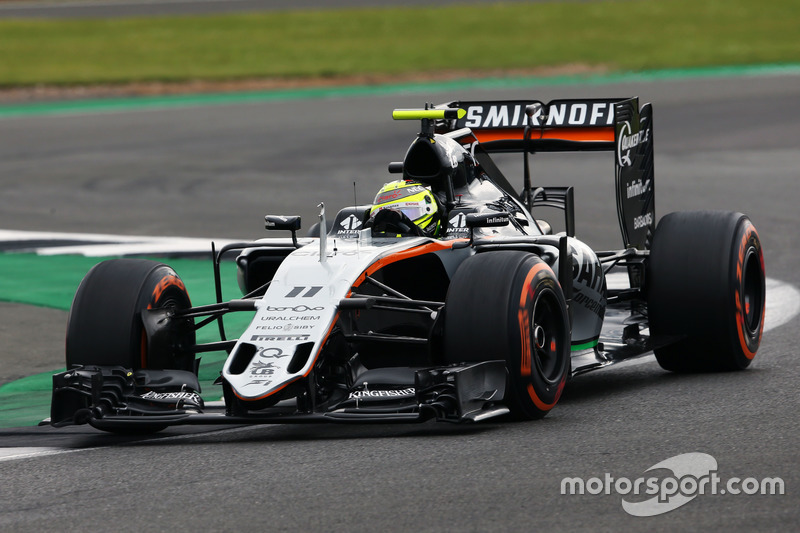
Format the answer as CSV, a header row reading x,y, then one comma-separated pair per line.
x,y
417,212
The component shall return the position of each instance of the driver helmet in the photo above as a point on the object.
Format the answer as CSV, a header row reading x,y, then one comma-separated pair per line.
x,y
412,199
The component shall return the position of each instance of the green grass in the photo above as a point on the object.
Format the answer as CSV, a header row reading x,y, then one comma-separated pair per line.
x,y
618,35
53,280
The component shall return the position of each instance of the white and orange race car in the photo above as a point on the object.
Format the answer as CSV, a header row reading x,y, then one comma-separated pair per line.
x,y
369,319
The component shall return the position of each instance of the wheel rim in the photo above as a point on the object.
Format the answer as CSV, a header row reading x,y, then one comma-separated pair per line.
x,y
752,292
547,332
173,300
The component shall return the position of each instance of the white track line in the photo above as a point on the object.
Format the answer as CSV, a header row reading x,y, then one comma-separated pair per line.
x,y
109,245
10,454
782,301
783,304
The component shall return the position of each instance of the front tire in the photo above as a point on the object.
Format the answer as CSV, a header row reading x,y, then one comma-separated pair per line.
x,y
509,305
105,327
706,290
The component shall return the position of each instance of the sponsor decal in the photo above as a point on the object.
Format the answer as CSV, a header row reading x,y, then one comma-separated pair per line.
x,y
643,221
262,382
192,397
585,268
295,309
315,253
290,327
589,303
485,220
390,393
397,193
257,338
388,196
285,327
458,221
624,160
627,142
637,188
512,115
291,318
271,353
457,226
351,223
260,368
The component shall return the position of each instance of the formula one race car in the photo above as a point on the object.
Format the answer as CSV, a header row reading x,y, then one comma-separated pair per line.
x,y
374,318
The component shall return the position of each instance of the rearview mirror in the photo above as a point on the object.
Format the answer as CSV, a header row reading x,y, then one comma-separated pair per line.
x,y
290,223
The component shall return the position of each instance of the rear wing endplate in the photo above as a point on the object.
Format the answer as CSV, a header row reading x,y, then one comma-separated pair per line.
x,y
633,165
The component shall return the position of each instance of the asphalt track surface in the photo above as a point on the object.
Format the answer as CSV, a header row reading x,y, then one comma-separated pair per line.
x,y
725,143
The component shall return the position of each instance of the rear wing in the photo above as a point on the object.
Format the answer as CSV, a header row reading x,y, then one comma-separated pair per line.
x,y
615,125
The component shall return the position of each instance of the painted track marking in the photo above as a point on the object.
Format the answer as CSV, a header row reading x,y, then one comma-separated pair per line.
x,y
102,245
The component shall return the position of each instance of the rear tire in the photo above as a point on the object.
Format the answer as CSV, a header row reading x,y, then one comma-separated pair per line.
x,y
706,289
105,327
509,305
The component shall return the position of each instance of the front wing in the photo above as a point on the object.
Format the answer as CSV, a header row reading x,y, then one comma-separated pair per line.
x,y
115,398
